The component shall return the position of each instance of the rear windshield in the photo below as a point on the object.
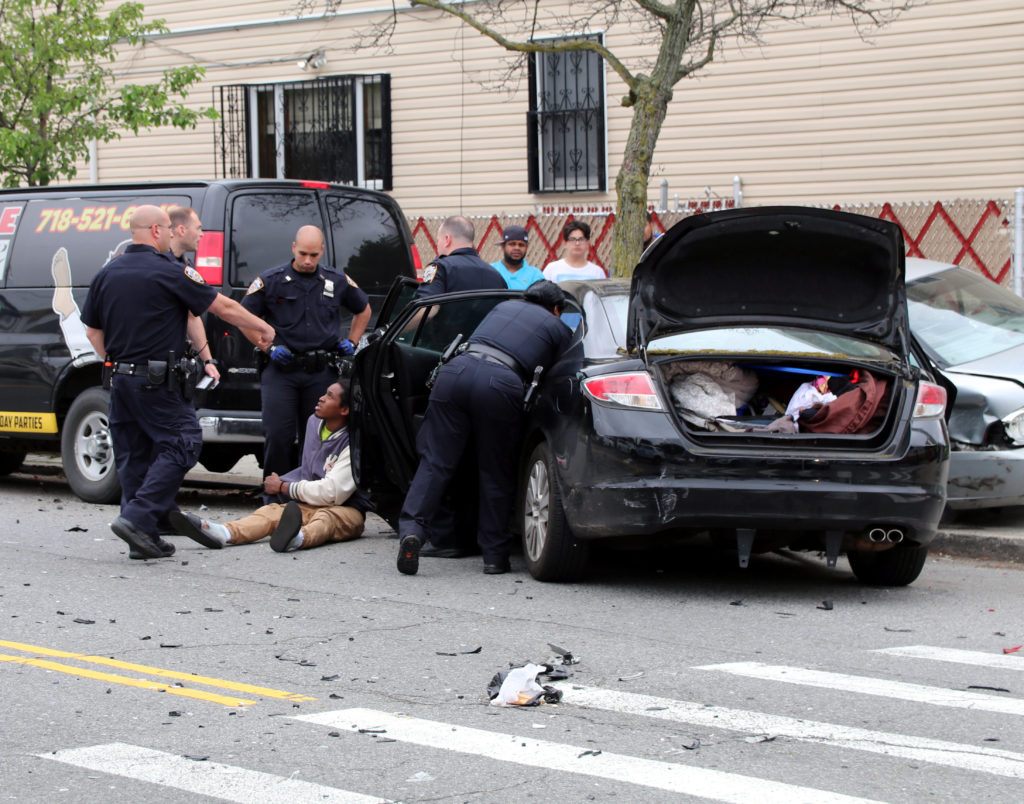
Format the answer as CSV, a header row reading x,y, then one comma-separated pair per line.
x,y
368,242
742,340
65,241
959,316
263,227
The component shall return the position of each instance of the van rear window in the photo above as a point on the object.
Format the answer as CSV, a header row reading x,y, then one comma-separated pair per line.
x,y
368,243
263,227
90,230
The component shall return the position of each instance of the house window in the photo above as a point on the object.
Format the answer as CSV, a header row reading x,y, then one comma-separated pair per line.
x,y
334,129
566,122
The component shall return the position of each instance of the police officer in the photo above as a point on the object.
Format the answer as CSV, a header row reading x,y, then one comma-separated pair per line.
x,y
302,299
478,395
186,231
135,314
459,267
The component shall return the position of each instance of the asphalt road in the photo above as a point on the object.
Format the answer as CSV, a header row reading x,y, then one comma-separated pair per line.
x,y
246,675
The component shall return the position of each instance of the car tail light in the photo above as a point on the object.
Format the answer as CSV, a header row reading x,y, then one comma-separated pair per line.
x,y
417,263
635,390
931,401
210,257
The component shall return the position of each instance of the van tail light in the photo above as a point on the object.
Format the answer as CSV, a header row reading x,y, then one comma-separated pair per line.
x,y
633,390
417,263
210,257
931,401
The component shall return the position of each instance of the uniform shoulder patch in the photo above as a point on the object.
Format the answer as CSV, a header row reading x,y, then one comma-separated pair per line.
x,y
351,281
194,275
257,284
430,272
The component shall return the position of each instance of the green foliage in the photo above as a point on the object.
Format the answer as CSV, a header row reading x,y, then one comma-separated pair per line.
x,y
59,88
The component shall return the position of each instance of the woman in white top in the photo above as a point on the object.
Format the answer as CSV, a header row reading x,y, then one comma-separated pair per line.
x,y
575,264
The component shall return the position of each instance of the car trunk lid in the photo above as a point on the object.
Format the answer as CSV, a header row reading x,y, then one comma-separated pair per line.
x,y
799,267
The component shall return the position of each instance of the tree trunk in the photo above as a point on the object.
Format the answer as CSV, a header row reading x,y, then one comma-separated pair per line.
x,y
649,110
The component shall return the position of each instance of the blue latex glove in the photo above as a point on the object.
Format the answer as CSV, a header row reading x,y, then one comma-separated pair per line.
x,y
346,347
280,354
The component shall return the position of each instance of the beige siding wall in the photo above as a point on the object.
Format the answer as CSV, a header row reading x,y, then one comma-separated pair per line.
x,y
931,108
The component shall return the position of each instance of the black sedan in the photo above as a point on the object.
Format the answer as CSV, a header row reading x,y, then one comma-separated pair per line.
x,y
754,381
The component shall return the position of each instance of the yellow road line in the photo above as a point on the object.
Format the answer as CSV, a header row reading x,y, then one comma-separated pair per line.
x,y
129,682
157,671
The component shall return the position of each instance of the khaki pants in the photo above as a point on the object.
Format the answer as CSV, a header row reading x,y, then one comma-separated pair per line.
x,y
320,524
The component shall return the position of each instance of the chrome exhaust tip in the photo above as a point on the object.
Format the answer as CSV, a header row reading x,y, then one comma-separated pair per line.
x,y
895,535
876,535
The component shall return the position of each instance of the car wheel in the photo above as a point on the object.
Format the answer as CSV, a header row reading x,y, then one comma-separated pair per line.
x,y
552,553
87,449
11,461
896,567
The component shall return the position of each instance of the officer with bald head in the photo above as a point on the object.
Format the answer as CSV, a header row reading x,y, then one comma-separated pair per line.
x,y
303,300
135,316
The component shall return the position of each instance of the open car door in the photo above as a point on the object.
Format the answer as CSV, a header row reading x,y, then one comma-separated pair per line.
x,y
389,391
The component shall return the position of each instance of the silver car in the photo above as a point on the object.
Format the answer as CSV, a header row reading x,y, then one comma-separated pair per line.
x,y
973,331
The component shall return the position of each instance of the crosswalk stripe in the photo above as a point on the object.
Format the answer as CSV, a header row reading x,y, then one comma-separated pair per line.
x,y
936,696
957,656
921,749
204,778
711,784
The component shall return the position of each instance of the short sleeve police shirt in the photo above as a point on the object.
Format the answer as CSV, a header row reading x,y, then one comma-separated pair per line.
x,y
461,270
304,308
141,300
526,331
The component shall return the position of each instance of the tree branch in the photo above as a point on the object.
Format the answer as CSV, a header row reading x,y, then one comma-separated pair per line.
x,y
555,46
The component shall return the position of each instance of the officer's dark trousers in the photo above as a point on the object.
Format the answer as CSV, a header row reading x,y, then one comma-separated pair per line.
x,y
288,400
472,401
157,439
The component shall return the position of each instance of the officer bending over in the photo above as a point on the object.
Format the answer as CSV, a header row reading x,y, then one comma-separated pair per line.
x,y
323,503
302,300
478,398
135,314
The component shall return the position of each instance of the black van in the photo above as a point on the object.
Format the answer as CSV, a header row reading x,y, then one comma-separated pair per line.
x,y
53,240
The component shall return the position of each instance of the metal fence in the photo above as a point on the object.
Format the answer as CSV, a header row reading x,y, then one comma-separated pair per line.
x,y
977,234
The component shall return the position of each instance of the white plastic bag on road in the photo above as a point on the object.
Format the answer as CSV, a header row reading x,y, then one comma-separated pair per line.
x,y
520,687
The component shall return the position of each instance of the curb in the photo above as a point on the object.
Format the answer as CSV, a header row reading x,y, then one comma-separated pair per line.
x,y
964,544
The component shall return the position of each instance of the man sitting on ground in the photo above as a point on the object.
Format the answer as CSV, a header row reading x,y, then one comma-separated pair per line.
x,y
323,503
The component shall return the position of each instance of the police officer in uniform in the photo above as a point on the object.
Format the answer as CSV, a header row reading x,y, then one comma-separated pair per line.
x,y
135,314
302,299
186,231
459,267
478,395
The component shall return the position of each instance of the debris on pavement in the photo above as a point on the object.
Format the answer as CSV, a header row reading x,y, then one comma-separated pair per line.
x,y
517,686
1013,649
826,605
565,655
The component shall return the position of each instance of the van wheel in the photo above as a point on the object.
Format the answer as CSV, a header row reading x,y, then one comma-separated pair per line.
x,y
11,461
87,449
896,567
552,553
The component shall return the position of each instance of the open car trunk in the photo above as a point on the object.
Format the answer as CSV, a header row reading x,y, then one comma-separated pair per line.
x,y
787,403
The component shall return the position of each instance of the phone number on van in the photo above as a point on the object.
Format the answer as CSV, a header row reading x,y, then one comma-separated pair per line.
x,y
89,219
